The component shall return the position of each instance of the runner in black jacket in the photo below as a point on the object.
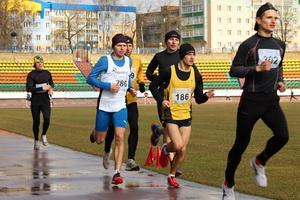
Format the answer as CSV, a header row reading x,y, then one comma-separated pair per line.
x,y
40,84
259,61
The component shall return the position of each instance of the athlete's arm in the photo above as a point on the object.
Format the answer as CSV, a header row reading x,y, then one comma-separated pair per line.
x,y
239,67
100,67
51,81
151,68
199,96
164,77
30,85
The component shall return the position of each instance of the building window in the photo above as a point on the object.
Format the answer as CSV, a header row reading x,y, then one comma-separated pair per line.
x,y
228,8
247,21
38,37
47,13
219,20
229,20
219,8
239,20
229,45
38,48
47,37
239,8
239,32
47,25
48,49
26,24
228,32
38,24
117,28
219,44
247,32
219,32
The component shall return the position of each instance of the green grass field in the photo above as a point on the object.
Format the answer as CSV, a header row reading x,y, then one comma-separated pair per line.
x,y
213,133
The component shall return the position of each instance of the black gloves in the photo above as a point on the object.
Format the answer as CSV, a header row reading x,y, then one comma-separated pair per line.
x,y
142,87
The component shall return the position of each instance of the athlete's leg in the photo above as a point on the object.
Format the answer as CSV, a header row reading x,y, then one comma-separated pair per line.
x,y
120,121
179,140
109,138
102,122
35,111
133,115
46,110
247,116
276,121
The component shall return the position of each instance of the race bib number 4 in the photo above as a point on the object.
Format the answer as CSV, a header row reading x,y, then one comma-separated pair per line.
x,y
181,95
272,55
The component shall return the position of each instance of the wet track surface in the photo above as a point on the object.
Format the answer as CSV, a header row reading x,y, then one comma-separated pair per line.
x,y
55,172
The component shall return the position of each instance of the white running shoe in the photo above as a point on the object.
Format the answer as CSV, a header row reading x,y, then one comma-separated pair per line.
x,y
132,166
36,145
228,193
44,139
260,178
106,162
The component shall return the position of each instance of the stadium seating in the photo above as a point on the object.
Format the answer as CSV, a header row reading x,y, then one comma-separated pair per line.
x,y
65,74
71,77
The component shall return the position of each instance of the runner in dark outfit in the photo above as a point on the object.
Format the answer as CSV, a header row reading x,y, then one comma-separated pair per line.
x,y
259,61
40,84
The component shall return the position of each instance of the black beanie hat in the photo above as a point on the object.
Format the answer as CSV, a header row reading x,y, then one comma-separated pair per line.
x,y
171,34
128,40
186,49
261,10
119,38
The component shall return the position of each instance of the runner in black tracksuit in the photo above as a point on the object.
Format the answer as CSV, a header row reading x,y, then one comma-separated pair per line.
x,y
259,61
40,84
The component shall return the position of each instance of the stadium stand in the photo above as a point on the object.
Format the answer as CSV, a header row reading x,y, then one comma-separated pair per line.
x,y
69,76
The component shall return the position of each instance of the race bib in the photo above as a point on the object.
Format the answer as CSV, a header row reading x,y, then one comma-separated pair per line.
x,y
40,86
133,74
181,95
272,55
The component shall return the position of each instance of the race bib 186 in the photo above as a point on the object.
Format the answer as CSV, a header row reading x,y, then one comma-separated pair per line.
x,y
181,95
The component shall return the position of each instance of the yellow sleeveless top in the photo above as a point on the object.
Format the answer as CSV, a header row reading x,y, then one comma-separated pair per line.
x,y
179,94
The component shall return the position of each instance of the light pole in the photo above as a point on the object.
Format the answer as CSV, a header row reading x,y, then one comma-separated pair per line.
x,y
142,34
13,36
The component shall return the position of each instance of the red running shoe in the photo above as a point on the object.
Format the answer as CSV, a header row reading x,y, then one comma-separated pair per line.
x,y
117,179
172,182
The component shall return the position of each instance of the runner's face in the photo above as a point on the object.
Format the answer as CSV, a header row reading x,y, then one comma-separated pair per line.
x,y
172,44
120,49
129,49
189,59
39,65
267,22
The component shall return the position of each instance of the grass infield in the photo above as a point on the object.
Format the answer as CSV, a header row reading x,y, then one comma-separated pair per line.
x,y
213,133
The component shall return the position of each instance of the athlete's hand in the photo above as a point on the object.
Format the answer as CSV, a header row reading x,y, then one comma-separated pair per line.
x,y
50,92
132,92
210,94
165,104
264,66
281,86
47,87
114,88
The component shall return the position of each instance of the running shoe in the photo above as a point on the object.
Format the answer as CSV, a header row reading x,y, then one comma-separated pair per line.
x,y
178,173
164,159
117,179
36,145
132,166
154,136
105,161
228,193
260,177
44,139
92,139
172,182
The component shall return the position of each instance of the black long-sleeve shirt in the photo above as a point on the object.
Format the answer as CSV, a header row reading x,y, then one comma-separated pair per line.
x,y
35,82
165,77
251,53
162,60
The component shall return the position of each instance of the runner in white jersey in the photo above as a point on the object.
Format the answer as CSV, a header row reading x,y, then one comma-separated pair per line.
x,y
112,75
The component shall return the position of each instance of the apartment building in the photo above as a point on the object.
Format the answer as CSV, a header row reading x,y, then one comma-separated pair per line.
x,y
222,25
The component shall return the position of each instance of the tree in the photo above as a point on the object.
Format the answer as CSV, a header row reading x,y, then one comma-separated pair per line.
x,y
107,15
285,27
71,24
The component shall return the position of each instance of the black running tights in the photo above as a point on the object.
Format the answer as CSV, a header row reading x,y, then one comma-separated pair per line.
x,y
36,109
249,112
